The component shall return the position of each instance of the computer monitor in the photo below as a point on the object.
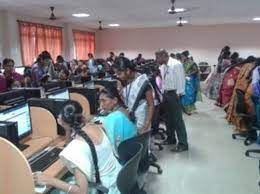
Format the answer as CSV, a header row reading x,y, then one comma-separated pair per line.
x,y
21,115
59,94
13,97
20,70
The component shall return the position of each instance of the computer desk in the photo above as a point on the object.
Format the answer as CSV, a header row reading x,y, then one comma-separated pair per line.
x,y
45,134
37,144
16,175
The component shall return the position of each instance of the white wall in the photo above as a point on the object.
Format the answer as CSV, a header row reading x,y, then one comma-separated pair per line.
x,y
10,41
204,42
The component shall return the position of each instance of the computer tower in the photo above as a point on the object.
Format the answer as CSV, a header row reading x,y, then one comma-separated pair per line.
x,y
9,131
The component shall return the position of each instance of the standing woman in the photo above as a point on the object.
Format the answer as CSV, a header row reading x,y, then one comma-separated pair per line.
x,y
192,86
137,94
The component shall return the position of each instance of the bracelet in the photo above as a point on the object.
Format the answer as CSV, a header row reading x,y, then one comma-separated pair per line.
x,y
68,192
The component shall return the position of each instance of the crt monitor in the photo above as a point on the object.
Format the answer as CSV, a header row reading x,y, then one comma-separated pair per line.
x,y
20,114
59,94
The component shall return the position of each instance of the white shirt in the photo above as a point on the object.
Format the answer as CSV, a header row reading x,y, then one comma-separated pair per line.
x,y
173,76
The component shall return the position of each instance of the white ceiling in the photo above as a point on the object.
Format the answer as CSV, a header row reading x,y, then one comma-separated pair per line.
x,y
137,13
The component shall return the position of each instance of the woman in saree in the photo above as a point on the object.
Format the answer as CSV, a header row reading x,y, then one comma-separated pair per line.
x,y
137,94
243,83
256,94
213,82
89,156
228,84
192,85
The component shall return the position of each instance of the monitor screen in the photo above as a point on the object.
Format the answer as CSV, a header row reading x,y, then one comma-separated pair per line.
x,y
21,115
59,94
20,70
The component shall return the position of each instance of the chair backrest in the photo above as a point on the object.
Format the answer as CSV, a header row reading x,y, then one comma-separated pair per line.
x,y
15,172
83,102
240,105
43,122
127,177
144,140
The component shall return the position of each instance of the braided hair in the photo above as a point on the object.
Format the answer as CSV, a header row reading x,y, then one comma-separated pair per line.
x,y
72,115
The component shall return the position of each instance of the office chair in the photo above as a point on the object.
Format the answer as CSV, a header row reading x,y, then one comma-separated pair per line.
x,y
146,158
127,177
249,120
157,132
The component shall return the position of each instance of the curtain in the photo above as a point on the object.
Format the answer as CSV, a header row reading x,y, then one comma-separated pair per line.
x,y
84,43
36,38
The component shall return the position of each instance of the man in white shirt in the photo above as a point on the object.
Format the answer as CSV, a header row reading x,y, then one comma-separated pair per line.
x,y
173,84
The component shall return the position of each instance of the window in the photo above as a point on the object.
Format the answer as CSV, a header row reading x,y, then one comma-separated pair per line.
x,y
36,38
84,43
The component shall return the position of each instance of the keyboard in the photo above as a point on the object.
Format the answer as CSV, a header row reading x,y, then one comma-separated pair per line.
x,y
45,158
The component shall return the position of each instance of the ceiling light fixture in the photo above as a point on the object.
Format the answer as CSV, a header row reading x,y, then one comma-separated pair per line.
x,y
256,19
113,25
182,21
177,10
80,15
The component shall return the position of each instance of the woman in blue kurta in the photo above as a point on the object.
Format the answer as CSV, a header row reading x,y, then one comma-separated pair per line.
x,y
117,124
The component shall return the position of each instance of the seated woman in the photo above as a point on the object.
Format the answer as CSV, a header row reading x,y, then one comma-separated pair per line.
x,y
116,123
13,79
228,83
89,155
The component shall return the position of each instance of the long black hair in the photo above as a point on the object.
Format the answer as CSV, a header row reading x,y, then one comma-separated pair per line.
x,y
112,92
71,114
122,63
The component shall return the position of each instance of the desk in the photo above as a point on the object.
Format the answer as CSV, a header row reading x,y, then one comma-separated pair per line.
x,y
15,172
57,169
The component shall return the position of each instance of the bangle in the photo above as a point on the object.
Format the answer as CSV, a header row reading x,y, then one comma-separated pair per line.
x,y
68,192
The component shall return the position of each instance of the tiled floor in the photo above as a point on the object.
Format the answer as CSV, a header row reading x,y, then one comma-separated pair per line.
x,y
215,164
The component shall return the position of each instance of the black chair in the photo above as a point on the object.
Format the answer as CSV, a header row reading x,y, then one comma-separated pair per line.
x,y
147,157
156,131
130,155
249,120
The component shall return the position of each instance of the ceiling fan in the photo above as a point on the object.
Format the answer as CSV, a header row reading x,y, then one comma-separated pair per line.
x,y
180,22
100,25
52,16
173,10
